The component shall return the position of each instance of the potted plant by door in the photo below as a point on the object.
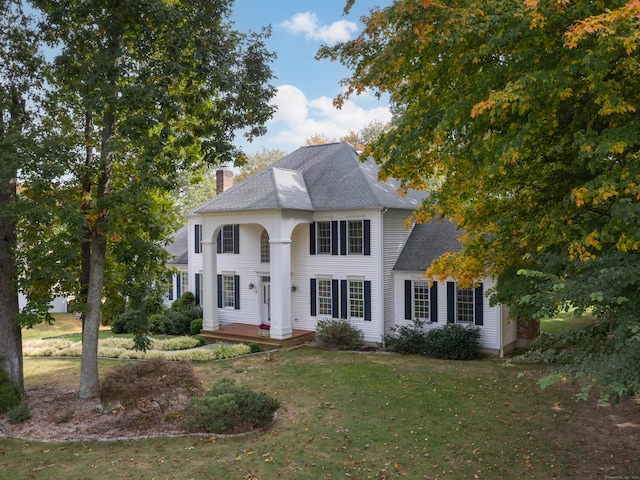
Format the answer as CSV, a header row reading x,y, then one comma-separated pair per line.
x,y
263,329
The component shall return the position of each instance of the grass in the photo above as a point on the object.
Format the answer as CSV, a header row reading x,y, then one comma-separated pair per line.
x,y
566,320
350,415
344,414
66,325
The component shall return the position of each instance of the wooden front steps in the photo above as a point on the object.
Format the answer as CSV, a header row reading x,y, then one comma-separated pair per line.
x,y
243,333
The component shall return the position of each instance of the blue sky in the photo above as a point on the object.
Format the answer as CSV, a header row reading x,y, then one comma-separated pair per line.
x,y
307,87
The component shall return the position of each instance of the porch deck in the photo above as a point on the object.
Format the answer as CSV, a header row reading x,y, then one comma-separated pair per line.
x,y
244,333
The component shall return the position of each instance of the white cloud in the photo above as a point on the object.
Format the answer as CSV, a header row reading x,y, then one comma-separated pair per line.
x,y
308,24
299,118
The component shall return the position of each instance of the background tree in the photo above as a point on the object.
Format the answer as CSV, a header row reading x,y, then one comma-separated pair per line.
x,y
318,139
529,112
19,79
259,161
150,88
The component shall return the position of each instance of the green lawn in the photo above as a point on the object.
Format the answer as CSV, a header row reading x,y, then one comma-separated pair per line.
x,y
354,415
565,320
65,325
348,415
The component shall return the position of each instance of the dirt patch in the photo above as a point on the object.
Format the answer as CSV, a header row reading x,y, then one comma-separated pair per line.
x,y
58,414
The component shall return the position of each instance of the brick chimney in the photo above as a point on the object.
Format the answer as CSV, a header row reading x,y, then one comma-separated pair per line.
x,y
224,179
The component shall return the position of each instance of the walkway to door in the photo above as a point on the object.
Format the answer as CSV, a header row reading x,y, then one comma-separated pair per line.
x,y
244,333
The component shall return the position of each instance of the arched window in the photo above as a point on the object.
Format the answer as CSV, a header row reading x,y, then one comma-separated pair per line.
x,y
265,250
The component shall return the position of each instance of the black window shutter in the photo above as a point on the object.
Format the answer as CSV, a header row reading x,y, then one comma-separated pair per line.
x,y
343,237
236,239
479,300
219,291
451,302
171,288
433,302
219,247
197,295
334,237
408,299
312,238
334,299
344,294
196,238
367,300
236,292
314,307
367,237
178,286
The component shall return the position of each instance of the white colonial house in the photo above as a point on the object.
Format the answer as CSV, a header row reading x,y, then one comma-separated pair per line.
x,y
316,235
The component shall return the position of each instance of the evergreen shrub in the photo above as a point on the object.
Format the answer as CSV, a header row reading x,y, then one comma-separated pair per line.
x,y
338,333
454,342
407,339
230,408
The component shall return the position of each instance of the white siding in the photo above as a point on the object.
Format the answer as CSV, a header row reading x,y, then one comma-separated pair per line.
x,y
246,264
490,331
395,237
338,267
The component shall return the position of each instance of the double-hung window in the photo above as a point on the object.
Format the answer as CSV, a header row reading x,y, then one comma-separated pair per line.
x,y
355,237
356,299
324,298
185,281
421,300
465,305
323,230
227,239
228,291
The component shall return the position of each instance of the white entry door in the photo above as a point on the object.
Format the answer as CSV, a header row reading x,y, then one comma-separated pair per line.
x,y
266,300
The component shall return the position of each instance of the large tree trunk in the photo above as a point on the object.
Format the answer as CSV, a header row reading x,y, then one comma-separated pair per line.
x,y
10,332
89,380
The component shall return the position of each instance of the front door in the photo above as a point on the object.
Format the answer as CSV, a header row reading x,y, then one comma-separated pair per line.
x,y
266,300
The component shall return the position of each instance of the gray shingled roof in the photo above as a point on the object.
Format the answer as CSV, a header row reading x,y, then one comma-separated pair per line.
x,y
317,177
427,242
179,247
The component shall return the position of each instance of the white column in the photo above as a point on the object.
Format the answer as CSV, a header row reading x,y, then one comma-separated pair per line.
x,y
281,289
209,287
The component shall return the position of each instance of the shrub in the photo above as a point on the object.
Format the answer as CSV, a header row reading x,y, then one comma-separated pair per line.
x,y
338,333
255,348
454,342
230,408
178,322
155,381
10,394
185,302
408,339
119,324
195,326
20,413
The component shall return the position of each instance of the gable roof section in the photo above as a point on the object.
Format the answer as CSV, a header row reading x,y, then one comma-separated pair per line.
x,y
179,246
427,242
317,177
